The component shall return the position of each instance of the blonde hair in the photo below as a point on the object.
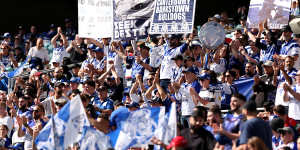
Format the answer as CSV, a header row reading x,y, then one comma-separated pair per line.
x,y
257,143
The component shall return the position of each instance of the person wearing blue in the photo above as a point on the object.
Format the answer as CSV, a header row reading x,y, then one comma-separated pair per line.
x,y
289,46
228,89
286,72
251,53
59,50
276,124
287,138
254,126
28,128
229,130
105,104
142,61
89,89
177,69
185,94
171,49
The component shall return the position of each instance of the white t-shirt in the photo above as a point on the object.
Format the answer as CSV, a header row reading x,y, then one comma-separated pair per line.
x,y
8,121
58,55
42,53
294,105
213,96
187,103
167,63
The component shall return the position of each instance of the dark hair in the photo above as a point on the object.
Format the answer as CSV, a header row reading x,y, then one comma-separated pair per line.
x,y
279,109
84,97
75,91
240,97
215,109
250,106
90,83
41,107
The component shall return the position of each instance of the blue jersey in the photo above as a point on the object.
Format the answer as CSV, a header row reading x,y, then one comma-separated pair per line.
x,y
288,47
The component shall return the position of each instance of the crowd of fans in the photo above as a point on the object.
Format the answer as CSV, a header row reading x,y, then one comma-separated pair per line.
x,y
116,76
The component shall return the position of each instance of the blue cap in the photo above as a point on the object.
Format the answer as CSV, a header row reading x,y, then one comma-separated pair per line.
x,y
92,47
190,69
6,35
204,76
174,36
75,80
133,104
98,49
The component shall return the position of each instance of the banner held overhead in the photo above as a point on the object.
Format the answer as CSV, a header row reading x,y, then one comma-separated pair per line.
x,y
173,17
95,18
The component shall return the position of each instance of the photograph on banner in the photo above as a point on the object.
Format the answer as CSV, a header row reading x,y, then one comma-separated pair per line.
x,y
132,18
95,18
173,17
275,12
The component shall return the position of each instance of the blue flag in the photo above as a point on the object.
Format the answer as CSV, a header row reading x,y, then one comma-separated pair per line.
x,y
245,87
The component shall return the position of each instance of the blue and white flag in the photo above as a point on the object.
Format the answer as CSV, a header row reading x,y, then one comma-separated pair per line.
x,y
245,87
47,139
68,126
173,17
17,71
138,129
168,129
94,140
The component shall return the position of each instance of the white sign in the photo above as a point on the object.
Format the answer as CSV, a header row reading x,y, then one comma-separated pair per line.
x,y
276,12
95,18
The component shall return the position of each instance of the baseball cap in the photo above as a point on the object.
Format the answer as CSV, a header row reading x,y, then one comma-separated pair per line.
x,y
178,57
276,123
204,76
295,24
174,36
60,100
190,69
178,141
133,104
75,80
57,84
286,130
6,35
92,47
268,63
195,43
98,49
286,28
37,73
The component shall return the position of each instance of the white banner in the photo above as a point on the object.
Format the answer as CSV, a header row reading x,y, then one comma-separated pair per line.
x,y
276,12
95,18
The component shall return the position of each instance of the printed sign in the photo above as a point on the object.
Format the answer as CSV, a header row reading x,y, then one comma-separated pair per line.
x,y
173,17
276,12
95,18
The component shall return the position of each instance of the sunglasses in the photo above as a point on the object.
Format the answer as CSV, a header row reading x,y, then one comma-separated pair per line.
x,y
150,79
35,110
227,75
